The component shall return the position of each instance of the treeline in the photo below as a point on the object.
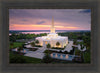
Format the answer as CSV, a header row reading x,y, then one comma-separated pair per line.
x,y
15,36
75,35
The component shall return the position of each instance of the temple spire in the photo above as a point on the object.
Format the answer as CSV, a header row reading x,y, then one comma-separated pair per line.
x,y
52,26
52,22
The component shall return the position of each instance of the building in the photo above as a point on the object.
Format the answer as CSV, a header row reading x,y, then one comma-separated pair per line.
x,y
52,38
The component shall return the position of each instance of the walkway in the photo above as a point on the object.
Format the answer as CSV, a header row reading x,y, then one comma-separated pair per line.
x,y
79,47
69,46
37,54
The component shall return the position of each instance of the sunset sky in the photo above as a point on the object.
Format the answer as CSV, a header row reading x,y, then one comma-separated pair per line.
x,y
41,19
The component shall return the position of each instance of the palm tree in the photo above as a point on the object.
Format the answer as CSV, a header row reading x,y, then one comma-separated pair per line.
x,y
58,44
48,46
37,42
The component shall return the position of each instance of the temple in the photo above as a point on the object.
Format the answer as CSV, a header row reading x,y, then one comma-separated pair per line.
x,y
52,38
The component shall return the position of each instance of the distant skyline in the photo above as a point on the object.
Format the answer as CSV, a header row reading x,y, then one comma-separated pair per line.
x,y
41,19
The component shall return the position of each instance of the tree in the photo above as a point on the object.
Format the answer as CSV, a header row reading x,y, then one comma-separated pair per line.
x,y
48,46
47,59
12,38
11,45
23,45
58,44
19,49
87,57
37,42
87,41
82,46
77,52
75,42
32,44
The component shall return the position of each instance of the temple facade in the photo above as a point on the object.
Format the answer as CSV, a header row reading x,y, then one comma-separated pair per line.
x,y
52,38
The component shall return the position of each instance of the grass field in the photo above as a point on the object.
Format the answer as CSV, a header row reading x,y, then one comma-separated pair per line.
x,y
16,44
16,58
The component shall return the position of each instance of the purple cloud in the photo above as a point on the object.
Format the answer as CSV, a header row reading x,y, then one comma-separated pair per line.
x,y
67,17
41,22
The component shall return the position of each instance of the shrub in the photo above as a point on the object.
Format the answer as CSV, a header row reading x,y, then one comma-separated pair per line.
x,y
65,52
38,46
20,48
57,43
58,48
48,45
37,42
32,44
50,51
71,52
46,51
77,52
60,51
11,44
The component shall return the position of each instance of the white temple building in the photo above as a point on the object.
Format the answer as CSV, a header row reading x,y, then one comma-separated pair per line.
x,y
52,38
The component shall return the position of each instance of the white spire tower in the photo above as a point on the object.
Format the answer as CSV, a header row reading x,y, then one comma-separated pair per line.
x,y
52,27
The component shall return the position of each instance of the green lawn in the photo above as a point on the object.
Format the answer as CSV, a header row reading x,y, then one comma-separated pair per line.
x,y
16,44
16,58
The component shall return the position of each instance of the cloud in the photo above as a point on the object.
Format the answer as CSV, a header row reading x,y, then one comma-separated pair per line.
x,y
24,20
62,17
41,22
